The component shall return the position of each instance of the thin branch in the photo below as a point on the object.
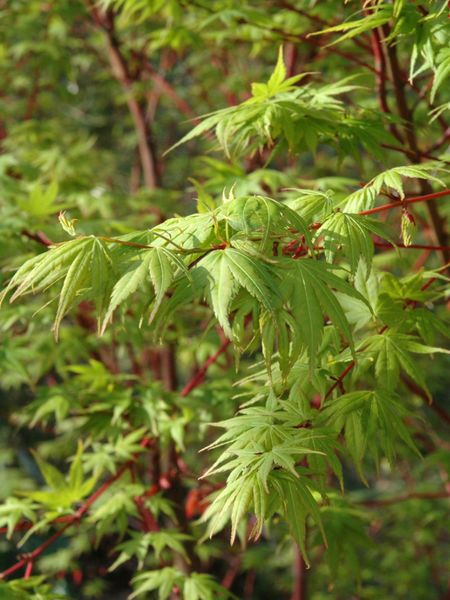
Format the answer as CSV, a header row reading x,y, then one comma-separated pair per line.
x,y
200,375
409,152
299,589
400,203
120,69
167,88
38,237
381,77
412,246
406,497
148,520
145,515
339,380
232,572
405,113
443,140
30,557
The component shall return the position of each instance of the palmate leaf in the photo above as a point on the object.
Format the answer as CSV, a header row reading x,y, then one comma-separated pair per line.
x,y
162,580
392,351
351,234
102,276
42,201
310,284
75,281
140,544
135,277
298,116
234,500
297,503
312,205
225,271
162,266
262,444
277,82
261,92
70,261
262,217
7,593
369,419
392,179
201,586
279,340
44,270
64,490
381,14
255,277
195,586
158,265
86,267
221,287
13,510
359,314
30,588
189,232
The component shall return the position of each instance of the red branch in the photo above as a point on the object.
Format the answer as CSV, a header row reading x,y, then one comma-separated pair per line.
x,y
381,77
38,237
405,497
413,246
400,203
28,559
147,517
420,153
149,522
340,379
200,375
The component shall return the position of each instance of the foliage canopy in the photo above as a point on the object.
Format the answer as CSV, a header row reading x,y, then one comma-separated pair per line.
x,y
207,404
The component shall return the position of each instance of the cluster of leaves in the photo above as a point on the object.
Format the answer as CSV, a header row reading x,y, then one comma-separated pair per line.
x,y
277,265
281,113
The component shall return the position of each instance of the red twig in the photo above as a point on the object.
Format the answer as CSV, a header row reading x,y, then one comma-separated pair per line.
x,y
18,565
104,20
146,516
148,519
414,154
232,572
299,590
28,559
200,375
340,379
400,203
25,525
381,76
38,237
443,140
413,246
